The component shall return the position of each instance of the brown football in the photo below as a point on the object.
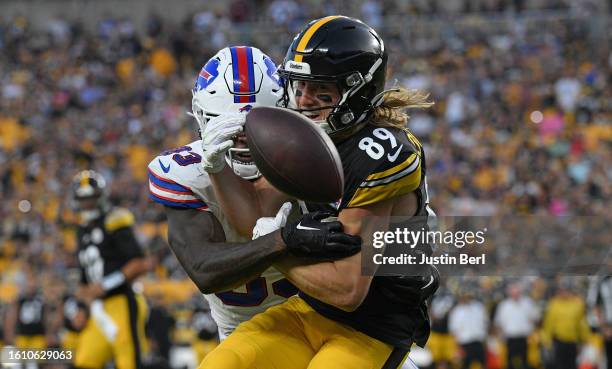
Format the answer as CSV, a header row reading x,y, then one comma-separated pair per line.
x,y
294,154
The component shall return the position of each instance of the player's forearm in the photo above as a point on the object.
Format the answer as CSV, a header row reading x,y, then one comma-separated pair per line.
x,y
231,190
135,268
336,283
217,267
256,198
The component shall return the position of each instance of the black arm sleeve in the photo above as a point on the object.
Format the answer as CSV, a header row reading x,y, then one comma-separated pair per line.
x,y
197,240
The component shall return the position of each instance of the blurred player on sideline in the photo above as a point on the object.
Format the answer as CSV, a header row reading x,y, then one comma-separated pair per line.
x,y
110,258
25,325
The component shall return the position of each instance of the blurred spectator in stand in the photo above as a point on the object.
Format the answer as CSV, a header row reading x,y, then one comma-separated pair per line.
x,y
240,11
567,91
283,12
371,13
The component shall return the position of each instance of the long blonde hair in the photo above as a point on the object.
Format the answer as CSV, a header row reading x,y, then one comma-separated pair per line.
x,y
392,111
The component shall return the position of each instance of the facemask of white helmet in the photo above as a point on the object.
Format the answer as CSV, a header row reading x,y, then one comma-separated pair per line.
x,y
246,171
215,93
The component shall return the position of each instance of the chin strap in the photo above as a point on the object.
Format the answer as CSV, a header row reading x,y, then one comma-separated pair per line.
x,y
378,99
375,102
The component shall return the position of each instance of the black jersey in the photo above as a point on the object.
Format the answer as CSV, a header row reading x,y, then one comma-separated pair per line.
x,y
30,315
106,245
379,164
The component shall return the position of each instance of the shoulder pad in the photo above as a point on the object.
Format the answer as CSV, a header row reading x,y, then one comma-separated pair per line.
x,y
381,163
171,184
118,218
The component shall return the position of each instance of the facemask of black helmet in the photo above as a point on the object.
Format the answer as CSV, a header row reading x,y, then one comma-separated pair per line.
x,y
334,73
332,102
89,198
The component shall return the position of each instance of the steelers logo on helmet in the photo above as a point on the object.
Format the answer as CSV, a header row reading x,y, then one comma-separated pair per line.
x,y
340,58
89,198
235,80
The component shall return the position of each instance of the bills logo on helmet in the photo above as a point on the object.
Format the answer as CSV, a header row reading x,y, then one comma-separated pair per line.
x,y
246,109
207,75
271,70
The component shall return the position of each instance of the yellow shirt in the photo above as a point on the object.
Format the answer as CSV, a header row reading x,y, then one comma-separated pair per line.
x,y
565,320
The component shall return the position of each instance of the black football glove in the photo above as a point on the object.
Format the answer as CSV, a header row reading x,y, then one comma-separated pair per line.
x,y
310,237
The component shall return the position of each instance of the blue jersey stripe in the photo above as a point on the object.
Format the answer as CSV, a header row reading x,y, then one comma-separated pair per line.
x,y
169,186
188,205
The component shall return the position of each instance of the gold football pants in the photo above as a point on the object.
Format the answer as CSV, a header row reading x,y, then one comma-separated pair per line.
x,y
294,336
94,348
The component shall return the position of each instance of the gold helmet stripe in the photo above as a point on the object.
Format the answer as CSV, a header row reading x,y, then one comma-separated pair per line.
x,y
84,179
309,33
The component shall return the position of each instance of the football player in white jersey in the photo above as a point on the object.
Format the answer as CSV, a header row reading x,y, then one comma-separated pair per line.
x,y
218,257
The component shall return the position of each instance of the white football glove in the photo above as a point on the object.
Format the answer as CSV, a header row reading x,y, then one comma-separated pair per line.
x,y
217,139
269,224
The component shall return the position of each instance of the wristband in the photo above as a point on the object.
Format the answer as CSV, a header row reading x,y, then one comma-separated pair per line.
x,y
113,280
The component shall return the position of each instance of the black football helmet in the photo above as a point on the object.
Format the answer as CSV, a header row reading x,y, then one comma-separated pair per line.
x,y
89,185
344,51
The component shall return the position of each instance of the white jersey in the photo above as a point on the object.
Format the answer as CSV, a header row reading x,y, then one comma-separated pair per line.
x,y
177,179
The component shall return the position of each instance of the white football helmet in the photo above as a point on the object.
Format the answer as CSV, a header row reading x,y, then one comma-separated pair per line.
x,y
235,80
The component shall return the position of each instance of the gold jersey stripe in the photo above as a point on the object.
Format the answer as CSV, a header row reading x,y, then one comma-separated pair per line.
x,y
308,35
371,195
396,169
378,182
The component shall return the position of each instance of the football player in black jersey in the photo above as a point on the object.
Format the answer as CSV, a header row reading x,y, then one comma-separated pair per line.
x,y
110,258
334,73
26,318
